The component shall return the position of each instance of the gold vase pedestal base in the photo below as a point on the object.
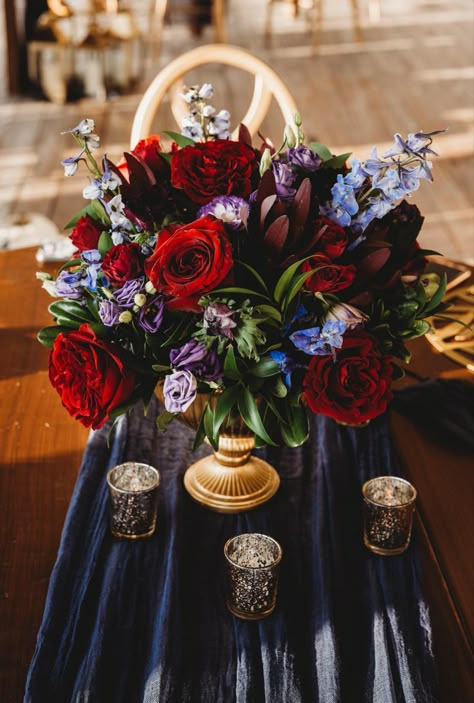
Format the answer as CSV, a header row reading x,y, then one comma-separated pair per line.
x,y
231,489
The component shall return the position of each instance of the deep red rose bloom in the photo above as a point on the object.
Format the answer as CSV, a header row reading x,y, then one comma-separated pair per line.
x,y
190,261
149,151
122,263
90,376
333,240
354,388
328,277
86,233
214,168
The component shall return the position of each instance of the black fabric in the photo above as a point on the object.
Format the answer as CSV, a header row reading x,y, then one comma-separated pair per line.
x,y
442,408
146,622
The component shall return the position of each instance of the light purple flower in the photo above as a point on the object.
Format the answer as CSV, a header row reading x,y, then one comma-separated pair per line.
x,y
319,342
342,312
303,157
218,320
150,316
109,312
125,295
357,175
233,211
284,179
69,285
390,185
179,391
194,356
93,259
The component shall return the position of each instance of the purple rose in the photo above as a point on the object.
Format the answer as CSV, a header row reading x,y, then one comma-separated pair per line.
x,y
218,320
69,285
179,391
193,356
150,316
231,210
284,179
303,157
125,295
109,312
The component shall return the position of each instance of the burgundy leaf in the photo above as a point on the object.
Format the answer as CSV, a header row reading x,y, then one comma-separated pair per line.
x,y
266,186
244,135
141,175
361,300
300,209
276,235
265,207
371,264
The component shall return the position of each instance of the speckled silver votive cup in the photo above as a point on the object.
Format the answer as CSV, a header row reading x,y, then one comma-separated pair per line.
x,y
133,499
252,568
389,504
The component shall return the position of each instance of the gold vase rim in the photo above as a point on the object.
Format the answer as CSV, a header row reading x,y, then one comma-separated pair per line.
x,y
254,568
366,485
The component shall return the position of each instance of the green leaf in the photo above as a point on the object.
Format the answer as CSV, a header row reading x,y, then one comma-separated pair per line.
x,y
200,434
337,161
47,335
299,282
225,402
283,283
91,306
105,243
69,264
321,150
94,210
255,274
180,139
231,370
296,432
250,415
164,419
264,368
209,427
437,297
243,291
426,252
269,311
70,313
160,368
166,157
279,389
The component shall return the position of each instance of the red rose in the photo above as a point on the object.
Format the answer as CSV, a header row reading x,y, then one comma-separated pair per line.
x,y
333,241
328,277
89,375
86,233
214,168
122,263
190,261
354,388
148,150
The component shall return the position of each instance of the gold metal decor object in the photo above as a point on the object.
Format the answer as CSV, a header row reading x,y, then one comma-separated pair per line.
x,y
452,339
230,480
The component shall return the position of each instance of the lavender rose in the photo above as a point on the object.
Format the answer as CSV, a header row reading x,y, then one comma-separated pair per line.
x,y
233,211
284,180
150,316
109,312
126,294
193,356
179,391
303,157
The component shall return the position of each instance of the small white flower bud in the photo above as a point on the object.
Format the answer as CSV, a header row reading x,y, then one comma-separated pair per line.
x,y
289,136
150,288
139,300
265,161
125,316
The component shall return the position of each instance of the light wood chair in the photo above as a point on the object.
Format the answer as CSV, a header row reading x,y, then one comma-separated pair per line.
x,y
267,84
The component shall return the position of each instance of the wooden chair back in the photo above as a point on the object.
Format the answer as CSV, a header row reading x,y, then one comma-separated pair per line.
x,y
267,84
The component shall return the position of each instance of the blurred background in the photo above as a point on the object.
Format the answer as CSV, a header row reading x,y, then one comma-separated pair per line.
x,y
359,71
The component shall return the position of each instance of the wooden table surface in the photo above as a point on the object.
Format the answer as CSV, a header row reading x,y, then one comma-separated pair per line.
x,y
40,452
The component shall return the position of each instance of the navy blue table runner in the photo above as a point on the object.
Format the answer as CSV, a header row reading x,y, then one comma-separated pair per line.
x,y
146,621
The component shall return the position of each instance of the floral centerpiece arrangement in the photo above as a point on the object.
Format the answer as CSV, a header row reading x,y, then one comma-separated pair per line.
x,y
279,282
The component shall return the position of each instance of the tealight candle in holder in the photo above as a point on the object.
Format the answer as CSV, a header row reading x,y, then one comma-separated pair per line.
x,y
389,504
133,499
252,567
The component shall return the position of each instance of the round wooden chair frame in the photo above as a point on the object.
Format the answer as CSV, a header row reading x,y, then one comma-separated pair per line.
x,y
267,83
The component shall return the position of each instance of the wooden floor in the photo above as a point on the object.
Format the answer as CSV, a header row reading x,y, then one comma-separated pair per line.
x,y
413,70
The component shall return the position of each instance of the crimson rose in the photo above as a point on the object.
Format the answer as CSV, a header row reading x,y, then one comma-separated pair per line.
x,y
121,263
328,277
86,233
354,388
207,169
189,261
90,376
333,240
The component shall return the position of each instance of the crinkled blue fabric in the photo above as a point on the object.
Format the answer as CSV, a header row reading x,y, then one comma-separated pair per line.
x,y
146,621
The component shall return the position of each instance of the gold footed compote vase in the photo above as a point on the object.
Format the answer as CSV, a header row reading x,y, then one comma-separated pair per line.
x,y
230,480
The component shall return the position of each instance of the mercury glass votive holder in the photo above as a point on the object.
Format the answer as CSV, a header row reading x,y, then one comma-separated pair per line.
x,y
389,504
133,499
252,568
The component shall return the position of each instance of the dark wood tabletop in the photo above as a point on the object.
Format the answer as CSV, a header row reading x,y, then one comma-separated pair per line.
x,y
40,453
